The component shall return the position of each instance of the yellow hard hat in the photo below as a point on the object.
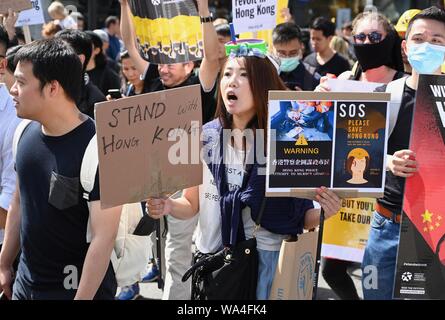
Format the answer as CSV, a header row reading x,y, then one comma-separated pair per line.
x,y
358,153
405,18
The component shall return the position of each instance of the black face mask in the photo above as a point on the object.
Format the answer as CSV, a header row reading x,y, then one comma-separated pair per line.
x,y
374,55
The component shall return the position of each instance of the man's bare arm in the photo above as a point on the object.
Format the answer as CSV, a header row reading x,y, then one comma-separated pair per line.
x,y
209,69
104,226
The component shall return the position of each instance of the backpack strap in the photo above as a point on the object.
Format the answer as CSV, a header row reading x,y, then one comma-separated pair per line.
x,y
310,68
17,135
396,89
88,169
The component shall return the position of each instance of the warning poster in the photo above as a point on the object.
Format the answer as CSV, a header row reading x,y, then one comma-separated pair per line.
x,y
336,140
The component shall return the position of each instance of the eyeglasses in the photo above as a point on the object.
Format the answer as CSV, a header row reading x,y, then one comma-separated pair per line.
x,y
288,55
374,37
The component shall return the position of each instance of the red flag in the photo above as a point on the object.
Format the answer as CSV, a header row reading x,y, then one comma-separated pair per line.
x,y
424,200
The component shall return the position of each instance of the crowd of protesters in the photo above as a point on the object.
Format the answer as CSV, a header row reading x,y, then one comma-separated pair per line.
x,y
56,83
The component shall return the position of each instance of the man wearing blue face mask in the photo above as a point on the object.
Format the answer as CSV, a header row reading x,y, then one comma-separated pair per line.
x,y
425,49
288,47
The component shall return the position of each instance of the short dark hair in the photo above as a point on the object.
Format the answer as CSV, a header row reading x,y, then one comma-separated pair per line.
x,y
324,25
10,57
80,41
223,30
286,32
4,38
111,20
54,60
431,13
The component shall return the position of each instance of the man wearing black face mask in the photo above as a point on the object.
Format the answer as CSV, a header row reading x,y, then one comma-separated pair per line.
x,y
378,49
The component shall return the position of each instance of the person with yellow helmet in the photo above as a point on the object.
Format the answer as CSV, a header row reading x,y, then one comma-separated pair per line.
x,y
401,27
356,164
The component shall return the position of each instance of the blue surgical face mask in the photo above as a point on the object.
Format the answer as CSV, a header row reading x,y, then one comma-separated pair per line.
x,y
289,64
426,58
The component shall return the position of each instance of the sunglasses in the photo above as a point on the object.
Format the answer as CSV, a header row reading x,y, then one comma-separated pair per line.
x,y
373,37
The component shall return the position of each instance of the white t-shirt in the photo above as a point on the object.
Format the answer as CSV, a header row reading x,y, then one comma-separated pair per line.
x,y
68,23
208,236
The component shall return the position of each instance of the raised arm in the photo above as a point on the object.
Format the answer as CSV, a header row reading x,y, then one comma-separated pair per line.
x,y
210,63
129,37
9,22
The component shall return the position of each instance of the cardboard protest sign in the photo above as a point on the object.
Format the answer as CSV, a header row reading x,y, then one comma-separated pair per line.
x,y
420,272
168,31
14,5
32,16
144,145
254,15
336,140
345,235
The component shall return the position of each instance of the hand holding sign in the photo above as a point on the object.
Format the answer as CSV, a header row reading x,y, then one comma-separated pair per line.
x,y
402,163
285,15
157,208
329,201
9,20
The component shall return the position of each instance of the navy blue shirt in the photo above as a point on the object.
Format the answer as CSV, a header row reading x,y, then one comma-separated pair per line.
x,y
115,47
301,77
54,215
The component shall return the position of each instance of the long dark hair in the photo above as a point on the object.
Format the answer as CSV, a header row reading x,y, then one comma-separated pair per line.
x,y
100,59
263,76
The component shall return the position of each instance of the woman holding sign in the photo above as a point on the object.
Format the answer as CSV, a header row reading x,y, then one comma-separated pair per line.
x,y
377,47
231,199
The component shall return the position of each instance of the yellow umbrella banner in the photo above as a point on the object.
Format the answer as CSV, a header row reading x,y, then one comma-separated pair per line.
x,y
167,31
